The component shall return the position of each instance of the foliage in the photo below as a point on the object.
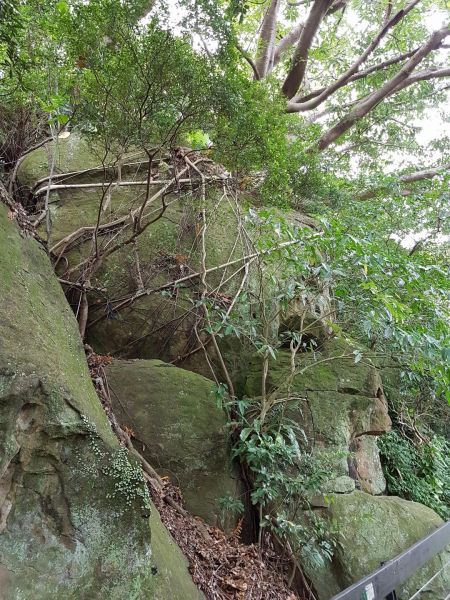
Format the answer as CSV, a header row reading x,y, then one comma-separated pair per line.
x,y
125,475
418,472
284,475
165,90
383,297
387,302
230,506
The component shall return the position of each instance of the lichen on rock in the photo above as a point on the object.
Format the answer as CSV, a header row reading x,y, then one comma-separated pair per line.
x,y
61,535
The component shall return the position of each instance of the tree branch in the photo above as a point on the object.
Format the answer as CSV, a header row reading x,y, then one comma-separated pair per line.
x,y
345,77
427,74
264,52
127,301
300,58
414,177
286,42
367,104
294,35
337,5
359,75
425,174
250,62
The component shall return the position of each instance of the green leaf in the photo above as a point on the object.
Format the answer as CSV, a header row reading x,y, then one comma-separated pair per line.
x,y
445,352
62,7
245,433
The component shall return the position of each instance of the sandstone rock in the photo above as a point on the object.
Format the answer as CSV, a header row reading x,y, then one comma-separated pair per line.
x,y
365,460
172,575
341,407
179,429
158,325
375,529
73,508
341,485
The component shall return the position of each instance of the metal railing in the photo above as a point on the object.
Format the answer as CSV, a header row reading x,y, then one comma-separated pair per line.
x,y
383,582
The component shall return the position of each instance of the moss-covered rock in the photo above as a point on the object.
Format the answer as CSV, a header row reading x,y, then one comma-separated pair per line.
x,y
71,154
179,428
373,530
340,405
73,508
160,325
155,325
171,566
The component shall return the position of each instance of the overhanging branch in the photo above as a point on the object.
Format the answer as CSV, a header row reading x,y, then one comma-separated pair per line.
x,y
399,81
414,177
352,70
300,58
300,104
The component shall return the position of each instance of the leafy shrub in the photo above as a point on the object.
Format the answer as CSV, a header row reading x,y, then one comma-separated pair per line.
x,y
284,476
418,472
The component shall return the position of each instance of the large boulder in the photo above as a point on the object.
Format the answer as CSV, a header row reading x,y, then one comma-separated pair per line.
x,y
157,325
124,321
73,508
179,428
339,404
373,530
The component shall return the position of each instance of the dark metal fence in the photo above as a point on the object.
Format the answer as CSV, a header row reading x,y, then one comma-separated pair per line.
x,y
383,582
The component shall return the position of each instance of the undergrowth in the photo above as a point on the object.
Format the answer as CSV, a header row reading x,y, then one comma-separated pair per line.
x,y
418,472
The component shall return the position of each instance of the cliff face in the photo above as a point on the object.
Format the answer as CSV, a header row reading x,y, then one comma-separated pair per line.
x,y
73,509
60,455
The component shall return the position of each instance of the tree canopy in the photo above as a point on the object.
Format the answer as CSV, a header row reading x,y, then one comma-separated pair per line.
x,y
312,105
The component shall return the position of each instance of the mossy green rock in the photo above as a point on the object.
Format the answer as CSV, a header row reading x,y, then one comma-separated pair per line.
x,y
173,579
375,529
73,508
179,428
340,405
163,324
71,154
156,325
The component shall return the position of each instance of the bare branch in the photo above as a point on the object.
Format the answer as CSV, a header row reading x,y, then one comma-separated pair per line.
x,y
427,74
72,186
359,75
286,42
345,77
250,61
425,174
337,5
294,35
265,50
364,106
127,301
414,177
300,58
22,158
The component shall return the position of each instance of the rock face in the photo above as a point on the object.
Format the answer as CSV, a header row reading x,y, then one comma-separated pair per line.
x,y
156,325
341,408
373,530
340,404
179,429
73,509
